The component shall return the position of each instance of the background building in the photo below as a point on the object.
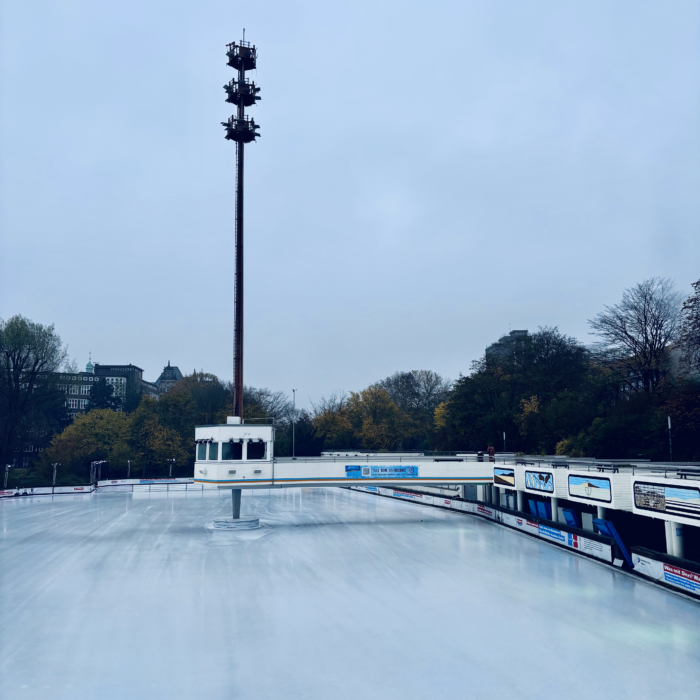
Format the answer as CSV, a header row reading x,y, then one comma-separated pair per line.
x,y
502,347
168,378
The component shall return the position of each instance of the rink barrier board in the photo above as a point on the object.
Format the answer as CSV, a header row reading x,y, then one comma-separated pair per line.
x,y
595,546
47,491
114,485
673,572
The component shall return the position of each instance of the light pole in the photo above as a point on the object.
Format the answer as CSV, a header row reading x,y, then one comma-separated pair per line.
x,y
504,441
128,469
294,422
670,445
55,466
171,462
242,56
96,474
7,471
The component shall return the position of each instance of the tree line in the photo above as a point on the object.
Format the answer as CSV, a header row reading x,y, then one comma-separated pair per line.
x,y
537,393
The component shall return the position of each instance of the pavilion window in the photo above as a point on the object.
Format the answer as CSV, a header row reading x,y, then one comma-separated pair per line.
x,y
232,450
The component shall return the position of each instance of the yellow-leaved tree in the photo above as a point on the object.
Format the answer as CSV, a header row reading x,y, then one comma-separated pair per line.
x,y
101,434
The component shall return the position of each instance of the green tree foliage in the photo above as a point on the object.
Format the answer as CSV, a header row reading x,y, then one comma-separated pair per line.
x,y
332,424
537,388
417,394
546,391
377,422
153,443
100,434
29,398
102,396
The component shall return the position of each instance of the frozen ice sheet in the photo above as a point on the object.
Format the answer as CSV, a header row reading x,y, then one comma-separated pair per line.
x,y
340,595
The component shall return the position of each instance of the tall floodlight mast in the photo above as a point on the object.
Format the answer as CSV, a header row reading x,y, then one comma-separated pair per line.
x,y
242,56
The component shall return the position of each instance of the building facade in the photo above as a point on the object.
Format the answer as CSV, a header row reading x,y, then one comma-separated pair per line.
x,y
168,378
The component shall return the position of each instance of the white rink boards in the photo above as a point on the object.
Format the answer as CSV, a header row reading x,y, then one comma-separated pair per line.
x,y
338,595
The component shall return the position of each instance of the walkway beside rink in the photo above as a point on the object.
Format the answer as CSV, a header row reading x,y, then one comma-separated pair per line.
x,y
337,595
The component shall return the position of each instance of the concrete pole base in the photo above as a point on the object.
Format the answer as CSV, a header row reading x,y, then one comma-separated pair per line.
x,y
247,522
236,503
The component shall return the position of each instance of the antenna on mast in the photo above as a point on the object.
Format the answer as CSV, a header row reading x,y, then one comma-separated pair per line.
x,y
239,128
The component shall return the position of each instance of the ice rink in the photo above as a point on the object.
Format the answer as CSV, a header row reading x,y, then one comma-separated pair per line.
x,y
339,595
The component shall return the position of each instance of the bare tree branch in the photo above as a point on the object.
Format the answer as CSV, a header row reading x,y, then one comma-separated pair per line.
x,y
637,332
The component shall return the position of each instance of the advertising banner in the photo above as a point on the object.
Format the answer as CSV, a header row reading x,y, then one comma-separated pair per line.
x,y
503,476
669,499
7,493
539,481
121,482
357,471
523,524
595,548
485,511
408,494
417,497
74,489
590,487
551,533
672,575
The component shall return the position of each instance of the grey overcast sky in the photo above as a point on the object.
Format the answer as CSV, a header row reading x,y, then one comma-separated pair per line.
x,y
428,173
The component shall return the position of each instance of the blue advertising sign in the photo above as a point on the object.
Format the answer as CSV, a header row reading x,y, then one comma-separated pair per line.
x,y
552,533
369,472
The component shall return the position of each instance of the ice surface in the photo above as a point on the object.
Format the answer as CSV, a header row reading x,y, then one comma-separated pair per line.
x,y
339,595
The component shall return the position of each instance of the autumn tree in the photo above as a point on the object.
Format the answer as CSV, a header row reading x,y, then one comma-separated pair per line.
x,y
100,434
152,443
331,423
376,419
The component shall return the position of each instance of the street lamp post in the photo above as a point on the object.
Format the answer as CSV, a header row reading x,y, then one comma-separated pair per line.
x,y
294,422
171,462
670,444
55,466
7,471
128,469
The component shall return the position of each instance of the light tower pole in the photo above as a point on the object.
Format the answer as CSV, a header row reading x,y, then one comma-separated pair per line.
x,y
242,56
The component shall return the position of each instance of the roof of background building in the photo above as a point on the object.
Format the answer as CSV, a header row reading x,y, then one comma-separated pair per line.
x,y
169,374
